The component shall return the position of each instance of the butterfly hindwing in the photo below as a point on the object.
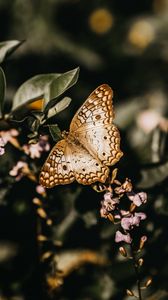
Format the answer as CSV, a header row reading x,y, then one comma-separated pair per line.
x,y
57,168
103,142
87,169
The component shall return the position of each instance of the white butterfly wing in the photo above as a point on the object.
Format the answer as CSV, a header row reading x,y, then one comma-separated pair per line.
x,y
87,169
103,142
96,110
67,162
92,126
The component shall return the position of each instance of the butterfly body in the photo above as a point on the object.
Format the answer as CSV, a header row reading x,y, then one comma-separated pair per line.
x,y
92,144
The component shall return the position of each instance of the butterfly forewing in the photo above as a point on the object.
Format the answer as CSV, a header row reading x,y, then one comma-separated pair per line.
x,y
93,127
96,110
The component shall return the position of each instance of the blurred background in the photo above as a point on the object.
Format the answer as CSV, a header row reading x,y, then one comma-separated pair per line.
x,y
123,44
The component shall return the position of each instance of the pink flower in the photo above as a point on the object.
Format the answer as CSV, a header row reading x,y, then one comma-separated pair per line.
x,y
125,212
144,238
138,198
140,215
2,144
19,170
108,204
120,237
40,189
43,142
128,223
142,241
35,150
108,196
2,151
7,135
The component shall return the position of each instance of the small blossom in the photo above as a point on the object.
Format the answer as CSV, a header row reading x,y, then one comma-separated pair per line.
x,y
19,170
128,223
108,196
125,212
40,189
120,237
108,204
138,198
124,188
2,143
123,251
140,215
43,142
2,151
35,150
142,241
7,135
118,217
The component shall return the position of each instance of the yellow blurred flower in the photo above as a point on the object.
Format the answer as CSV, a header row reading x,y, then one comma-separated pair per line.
x,y
141,34
100,20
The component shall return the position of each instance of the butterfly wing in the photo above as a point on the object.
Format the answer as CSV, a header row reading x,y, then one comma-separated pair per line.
x,y
86,168
96,110
57,168
92,126
69,161
103,143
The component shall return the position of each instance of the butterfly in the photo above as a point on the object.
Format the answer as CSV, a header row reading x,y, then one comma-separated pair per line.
x,y
89,148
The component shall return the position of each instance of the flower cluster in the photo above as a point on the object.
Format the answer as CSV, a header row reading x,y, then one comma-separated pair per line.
x,y
35,150
5,137
128,219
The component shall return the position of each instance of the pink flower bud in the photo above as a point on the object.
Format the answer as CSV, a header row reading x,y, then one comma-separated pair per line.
x,y
120,237
40,189
2,151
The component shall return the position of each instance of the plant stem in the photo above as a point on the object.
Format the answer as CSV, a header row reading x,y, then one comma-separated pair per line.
x,y
136,268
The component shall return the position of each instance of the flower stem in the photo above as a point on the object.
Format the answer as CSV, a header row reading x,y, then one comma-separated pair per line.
x,y
136,268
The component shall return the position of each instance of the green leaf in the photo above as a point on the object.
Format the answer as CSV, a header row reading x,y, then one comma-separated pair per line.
x,y
2,90
152,176
61,105
60,85
20,113
33,89
7,48
44,86
55,132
